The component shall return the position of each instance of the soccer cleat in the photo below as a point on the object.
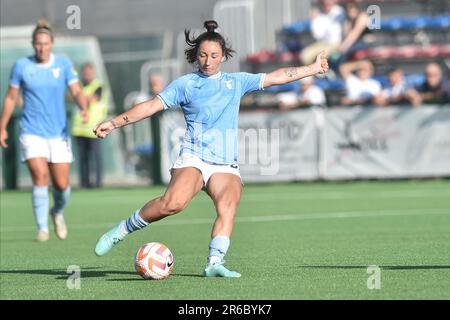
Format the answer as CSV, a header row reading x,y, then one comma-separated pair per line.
x,y
42,236
109,240
218,270
60,226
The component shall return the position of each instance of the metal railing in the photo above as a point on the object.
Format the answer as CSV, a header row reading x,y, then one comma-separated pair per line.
x,y
252,25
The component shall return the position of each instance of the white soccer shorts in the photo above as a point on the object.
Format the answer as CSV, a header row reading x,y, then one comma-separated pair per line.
x,y
207,169
56,150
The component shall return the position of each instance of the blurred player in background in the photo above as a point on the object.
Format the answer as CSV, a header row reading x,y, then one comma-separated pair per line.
x,y
88,146
44,139
210,100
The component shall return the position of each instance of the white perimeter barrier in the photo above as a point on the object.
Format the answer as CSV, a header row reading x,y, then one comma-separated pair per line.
x,y
331,144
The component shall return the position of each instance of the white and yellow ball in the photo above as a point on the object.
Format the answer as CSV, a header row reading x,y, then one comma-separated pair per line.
x,y
154,261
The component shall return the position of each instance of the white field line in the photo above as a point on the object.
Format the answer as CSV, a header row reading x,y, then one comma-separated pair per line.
x,y
271,218
292,196
288,196
347,195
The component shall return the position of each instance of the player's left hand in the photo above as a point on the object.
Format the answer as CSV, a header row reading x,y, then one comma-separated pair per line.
x,y
321,63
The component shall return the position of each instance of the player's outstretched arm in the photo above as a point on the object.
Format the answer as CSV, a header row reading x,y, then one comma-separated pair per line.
x,y
286,75
136,113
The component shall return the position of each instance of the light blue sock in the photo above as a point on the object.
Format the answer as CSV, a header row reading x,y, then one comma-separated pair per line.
x,y
60,199
133,223
218,247
40,206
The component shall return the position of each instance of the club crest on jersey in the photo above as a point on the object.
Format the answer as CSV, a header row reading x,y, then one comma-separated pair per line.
x,y
228,83
56,72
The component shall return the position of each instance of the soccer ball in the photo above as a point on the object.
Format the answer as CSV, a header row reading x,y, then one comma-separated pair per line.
x,y
154,261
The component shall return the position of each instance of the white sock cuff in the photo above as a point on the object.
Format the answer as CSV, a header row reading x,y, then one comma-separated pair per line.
x,y
137,216
40,191
123,227
214,259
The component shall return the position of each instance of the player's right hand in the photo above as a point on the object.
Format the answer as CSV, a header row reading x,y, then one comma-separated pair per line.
x,y
103,129
3,138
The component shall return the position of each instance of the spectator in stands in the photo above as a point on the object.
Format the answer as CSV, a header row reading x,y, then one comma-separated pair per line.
x,y
326,29
398,91
361,88
88,146
354,29
435,89
310,95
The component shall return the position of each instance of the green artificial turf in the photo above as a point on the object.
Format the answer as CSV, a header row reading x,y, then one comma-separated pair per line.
x,y
290,241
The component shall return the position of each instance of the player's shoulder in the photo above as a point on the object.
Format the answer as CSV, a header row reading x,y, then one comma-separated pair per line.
x,y
188,81
243,77
235,74
185,79
238,75
193,76
22,62
62,59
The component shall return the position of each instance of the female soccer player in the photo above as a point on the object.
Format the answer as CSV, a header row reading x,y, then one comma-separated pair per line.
x,y
210,101
44,139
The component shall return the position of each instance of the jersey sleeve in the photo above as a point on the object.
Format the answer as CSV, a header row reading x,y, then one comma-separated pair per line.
x,y
70,72
16,75
251,82
174,94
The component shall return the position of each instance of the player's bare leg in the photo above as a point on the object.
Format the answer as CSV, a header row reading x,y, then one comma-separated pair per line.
x,y
225,190
184,185
60,173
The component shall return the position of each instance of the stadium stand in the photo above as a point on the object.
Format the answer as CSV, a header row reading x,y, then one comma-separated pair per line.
x,y
411,35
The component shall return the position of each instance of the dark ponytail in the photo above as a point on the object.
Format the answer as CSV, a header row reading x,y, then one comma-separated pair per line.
x,y
210,25
210,35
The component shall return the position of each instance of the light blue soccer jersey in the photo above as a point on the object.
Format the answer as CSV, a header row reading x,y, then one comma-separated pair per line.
x,y
43,87
211,107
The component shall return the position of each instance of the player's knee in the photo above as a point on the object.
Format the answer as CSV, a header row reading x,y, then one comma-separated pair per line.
x,y
61,185
172,205
40,178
